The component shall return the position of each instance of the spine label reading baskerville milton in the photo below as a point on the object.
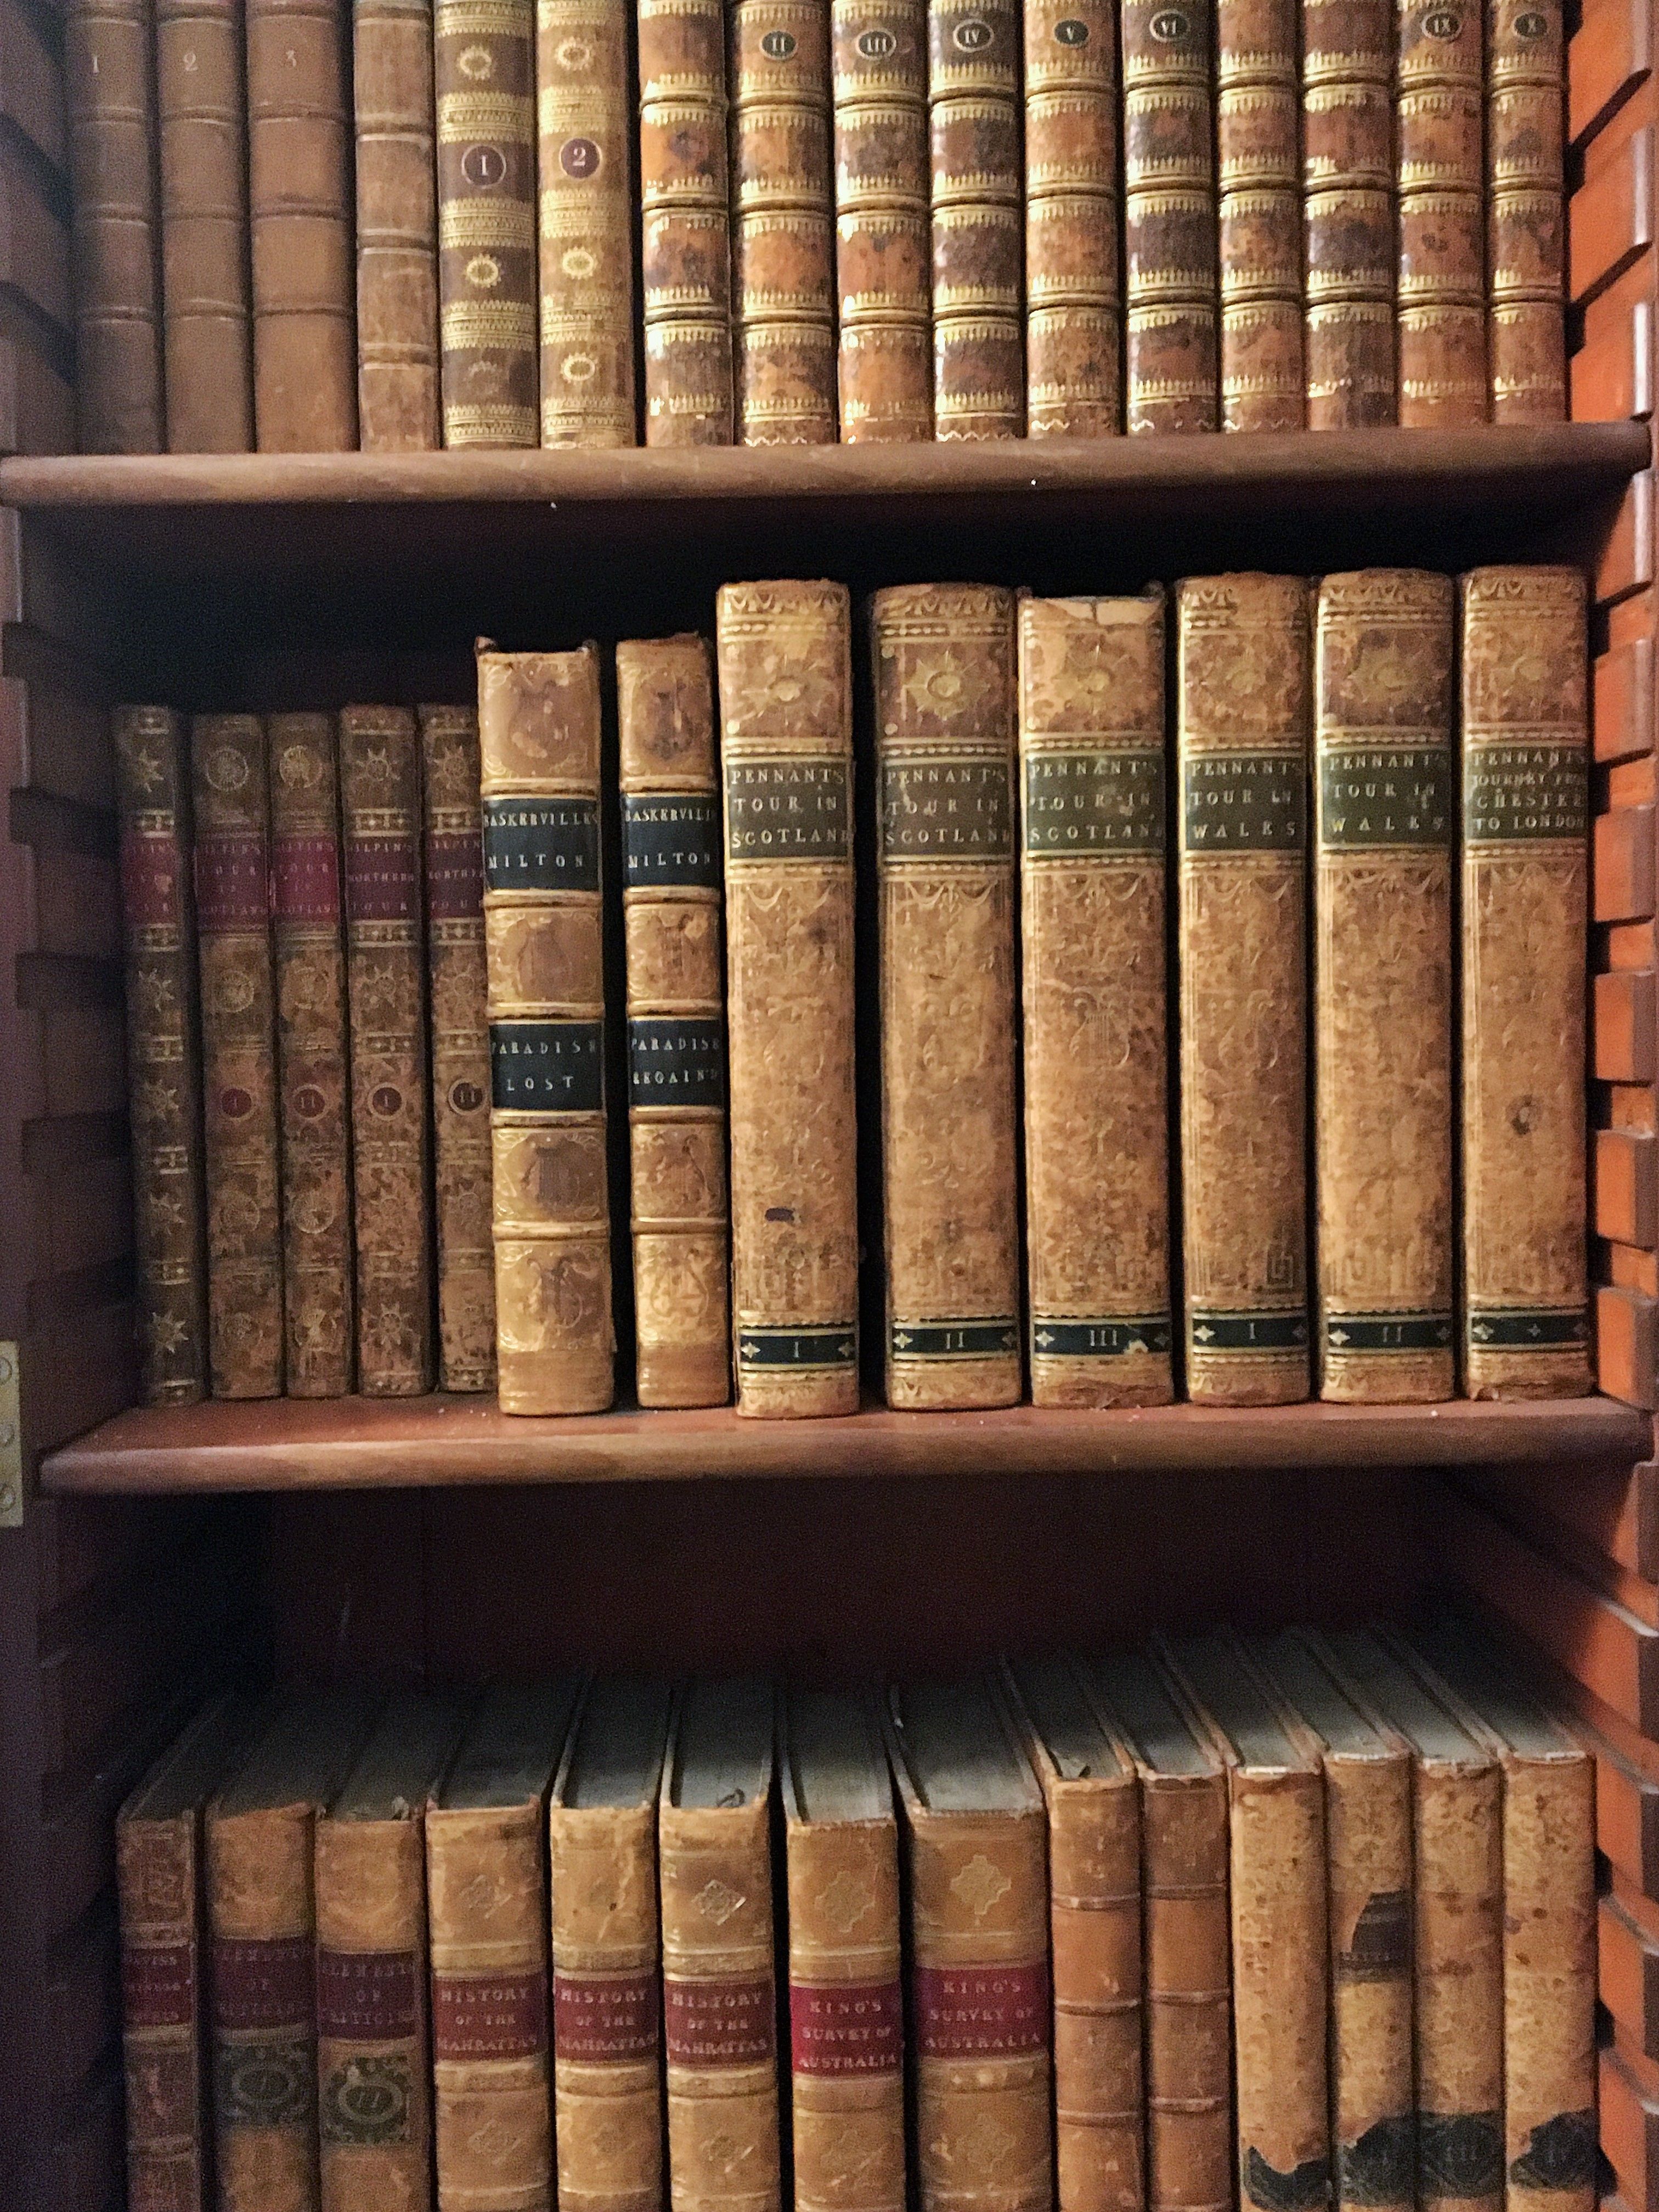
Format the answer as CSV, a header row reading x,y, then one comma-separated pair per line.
x,y
672,841
718,2023
980,2012
604,2016
1093,802
541,844
791,809
1524,792
1385,795
547,1067
676,1063
845,2028
1244,802
940,809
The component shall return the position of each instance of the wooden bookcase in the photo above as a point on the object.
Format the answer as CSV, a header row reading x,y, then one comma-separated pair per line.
x,y
141,1552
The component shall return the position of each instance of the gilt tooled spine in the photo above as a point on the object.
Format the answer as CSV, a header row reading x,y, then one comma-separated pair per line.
x,y
1093,992
883,284
1525,901
398,399
1259,215
973,127
109,93
1526,212
787,769
1368,1814
538,728
158,1875
1073,326
1458,1978
1347,179
1188,1997
585,125
1442,312
671,921
1095,1910
1171,336
206,325
684,223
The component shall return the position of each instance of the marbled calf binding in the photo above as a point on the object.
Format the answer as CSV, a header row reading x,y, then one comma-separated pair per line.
x,y
398,400
684,223
109,93
207,326
1171,341
880,59
585,124
973,125
1526,212
1259,215
1073,326
1442,319
1347,179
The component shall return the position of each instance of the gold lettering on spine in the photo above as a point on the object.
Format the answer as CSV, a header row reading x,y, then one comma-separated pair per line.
x,y
585,224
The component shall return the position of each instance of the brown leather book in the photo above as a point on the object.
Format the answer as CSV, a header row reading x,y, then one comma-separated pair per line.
x,y
1526,859
538,728
1090,1787
846,1994
1526,212
207,324
398,402
882,283
230,762
484,80
309,938
1383,983
786,758
1259,215
1073,324
1093,936
456,982
943,655
109,93
1241,740
585,122
1347,183
1171,331
391,1161
684,231
1442,319
164,1065
720,1995
672,922
973,133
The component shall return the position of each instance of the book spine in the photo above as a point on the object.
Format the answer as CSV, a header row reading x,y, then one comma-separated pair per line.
x,y
973,130
1368,1830
539,728
1441,317
1259,215
1526,896
207,326
1458,1954
109,96
460,1048
1382,946
1242,718
1526,212
230,759
1092,935
398,405
883,282
1550,2146
1278,1899
685,226
783,265
1072,327
944,662
164,1067
381,795
158,1880
787,751
1347,179
584,121
1188,1998
311,1035
1172,338
1094,1876
483,79
677,1121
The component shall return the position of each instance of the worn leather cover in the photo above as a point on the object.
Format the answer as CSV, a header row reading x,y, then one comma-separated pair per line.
x,y
1093,992
1171,335
538,728
109,93
883,283
685,247
207,320
1347,179
671,921
1383,985
943,657
1441,215
585,126
1241,736
1526,212
398,405
1074,322
973,127
1259,215
787,760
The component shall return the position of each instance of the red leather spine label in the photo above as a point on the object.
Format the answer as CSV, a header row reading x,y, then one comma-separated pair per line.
x,y
232,881
367,1997
600,2017
980,2012
488,2015
719,2023
455,876
383,879
307,879
845,2028
158,1986
152,879
263,1984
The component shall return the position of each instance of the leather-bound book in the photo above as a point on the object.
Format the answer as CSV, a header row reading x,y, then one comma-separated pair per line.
x,y
1090,1787
719,1994
684,228
391,1157
1383,984
230,760
1073,326
1259,215
973,135
943,656
1171,333
1347,183
607,1970
671,811
1242,738
164,1065
846,1995
783,260
318,1282
397,403
1442,319
1092,938
787,761
1526,212
1526,859
883,283
484,81
207,327
976,1884
585,228
460,1048
109,92
538,729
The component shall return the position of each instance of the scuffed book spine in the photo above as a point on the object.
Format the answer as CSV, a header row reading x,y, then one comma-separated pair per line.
x,y
973,134
1171,336
584,124
1259,215
1187,1993
538,728
1276,1879
398,405
159,1884
1525,1293
1241,736
1526,212
883,284
109,93
671,921
1073,326
318,1289
1093,992
1347,180
380,797
1441,267
1382,982
460,1048
164,1067
786,768
207,324
1457,1949
943,656
684,223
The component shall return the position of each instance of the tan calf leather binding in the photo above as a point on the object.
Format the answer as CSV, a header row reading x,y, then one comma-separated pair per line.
x,y
207,321
1171,335
1073,324
1259,215
398,408
685,245
585,126
973,125
883,291
1347,182
109,92
1526,212
1441,215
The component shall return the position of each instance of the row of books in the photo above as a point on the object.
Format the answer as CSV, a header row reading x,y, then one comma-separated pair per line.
x,y
1283,1923
403,224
